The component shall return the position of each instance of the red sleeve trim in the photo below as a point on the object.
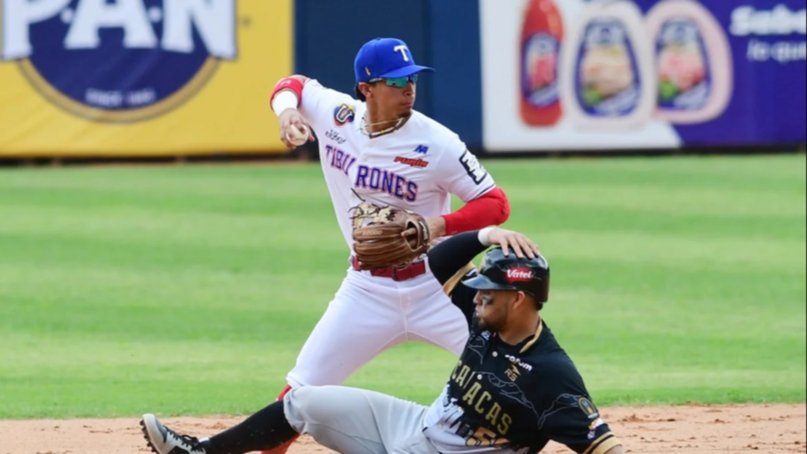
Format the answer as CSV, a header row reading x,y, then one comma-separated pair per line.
x,y
288,83
491,208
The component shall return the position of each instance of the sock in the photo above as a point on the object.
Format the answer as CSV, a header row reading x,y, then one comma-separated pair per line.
x,y
265,429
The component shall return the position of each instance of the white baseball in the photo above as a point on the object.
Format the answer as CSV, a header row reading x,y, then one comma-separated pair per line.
x,y
297,136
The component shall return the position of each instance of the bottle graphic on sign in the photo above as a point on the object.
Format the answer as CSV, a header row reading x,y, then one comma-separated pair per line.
x,y
541,37
693,62
608,67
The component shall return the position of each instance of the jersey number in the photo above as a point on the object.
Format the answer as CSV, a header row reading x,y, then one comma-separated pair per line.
x,y
485,437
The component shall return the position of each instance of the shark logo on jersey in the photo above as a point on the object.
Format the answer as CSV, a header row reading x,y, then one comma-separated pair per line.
x,y
120,61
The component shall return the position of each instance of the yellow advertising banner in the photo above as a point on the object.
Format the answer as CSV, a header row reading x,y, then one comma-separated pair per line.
x,y
141,77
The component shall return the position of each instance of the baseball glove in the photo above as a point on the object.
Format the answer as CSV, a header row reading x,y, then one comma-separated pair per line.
x,y
378,240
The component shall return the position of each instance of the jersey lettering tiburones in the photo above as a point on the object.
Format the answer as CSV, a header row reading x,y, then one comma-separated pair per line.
x,y
416,167
384,180
514,399
338,159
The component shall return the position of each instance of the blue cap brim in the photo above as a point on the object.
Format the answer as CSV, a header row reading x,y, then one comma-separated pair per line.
x,y
481,282
407,71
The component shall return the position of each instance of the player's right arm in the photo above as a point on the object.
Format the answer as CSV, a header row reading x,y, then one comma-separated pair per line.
x,y
285,100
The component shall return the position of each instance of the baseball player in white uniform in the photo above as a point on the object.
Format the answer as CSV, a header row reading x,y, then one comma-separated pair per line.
x,y
379,150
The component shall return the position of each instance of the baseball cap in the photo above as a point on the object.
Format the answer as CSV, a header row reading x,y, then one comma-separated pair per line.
x,y
508,272
383,58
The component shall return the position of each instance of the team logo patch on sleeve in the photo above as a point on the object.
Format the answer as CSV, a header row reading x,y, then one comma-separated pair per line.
x,y
120,61
343,114
588,408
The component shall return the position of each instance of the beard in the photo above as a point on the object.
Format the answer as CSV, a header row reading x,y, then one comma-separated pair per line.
x,y
483,324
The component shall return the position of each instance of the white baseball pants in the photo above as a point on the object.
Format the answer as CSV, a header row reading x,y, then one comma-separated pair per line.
x,y
371,314
356,421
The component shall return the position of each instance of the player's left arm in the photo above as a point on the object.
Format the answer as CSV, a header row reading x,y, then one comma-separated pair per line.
x,y
450,261
485,203
452,255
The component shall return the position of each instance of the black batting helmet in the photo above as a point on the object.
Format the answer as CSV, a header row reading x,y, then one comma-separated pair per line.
x,y
508,272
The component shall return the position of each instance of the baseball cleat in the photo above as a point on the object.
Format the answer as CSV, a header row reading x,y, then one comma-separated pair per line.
x,y
163,440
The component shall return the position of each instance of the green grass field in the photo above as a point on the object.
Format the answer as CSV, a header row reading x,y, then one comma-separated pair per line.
x,y
190,289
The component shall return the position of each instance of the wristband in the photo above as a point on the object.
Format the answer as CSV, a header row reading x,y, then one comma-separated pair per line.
x,y
484,236
286,85
283,100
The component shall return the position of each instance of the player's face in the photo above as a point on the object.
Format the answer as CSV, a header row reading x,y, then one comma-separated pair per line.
x,y
394,99
493,308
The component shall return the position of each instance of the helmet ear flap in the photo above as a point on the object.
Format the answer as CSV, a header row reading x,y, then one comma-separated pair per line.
x,y
542,295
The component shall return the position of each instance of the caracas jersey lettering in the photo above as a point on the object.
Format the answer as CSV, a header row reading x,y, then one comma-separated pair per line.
x,y
484,403
154,54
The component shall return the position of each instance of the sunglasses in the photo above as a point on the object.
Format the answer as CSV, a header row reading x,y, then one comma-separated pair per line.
x,y
397,82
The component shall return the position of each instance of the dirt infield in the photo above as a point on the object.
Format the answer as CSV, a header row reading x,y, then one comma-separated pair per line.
x,y
775,428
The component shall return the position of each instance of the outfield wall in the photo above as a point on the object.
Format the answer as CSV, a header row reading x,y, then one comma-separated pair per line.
x,y
170,77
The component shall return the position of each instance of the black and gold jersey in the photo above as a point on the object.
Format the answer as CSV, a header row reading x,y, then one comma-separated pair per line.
x,y
515,398
508,398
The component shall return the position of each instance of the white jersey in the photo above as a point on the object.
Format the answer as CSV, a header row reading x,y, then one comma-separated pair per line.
x,y
416,167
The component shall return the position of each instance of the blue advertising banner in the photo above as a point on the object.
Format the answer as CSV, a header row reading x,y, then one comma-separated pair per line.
x,y
578,75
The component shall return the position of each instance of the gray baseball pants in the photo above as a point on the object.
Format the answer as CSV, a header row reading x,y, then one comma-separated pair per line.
x,y
357,421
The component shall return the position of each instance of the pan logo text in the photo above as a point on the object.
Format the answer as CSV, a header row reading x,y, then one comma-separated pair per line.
x,y
119,61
